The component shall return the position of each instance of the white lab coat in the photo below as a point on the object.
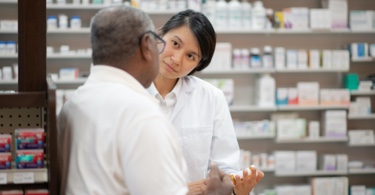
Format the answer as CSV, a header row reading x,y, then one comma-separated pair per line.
x,y
203,121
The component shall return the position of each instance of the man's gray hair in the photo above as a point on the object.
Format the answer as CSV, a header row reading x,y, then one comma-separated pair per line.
x,y
116,32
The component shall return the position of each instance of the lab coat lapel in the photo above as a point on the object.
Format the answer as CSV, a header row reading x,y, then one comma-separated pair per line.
x,y
183,97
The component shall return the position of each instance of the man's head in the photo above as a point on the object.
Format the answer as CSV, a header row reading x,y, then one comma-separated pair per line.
x,y
119,39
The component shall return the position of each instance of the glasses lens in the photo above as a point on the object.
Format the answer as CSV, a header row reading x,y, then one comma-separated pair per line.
x,y
160,45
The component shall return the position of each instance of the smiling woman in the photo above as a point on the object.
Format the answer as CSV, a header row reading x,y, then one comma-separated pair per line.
x,y
196,108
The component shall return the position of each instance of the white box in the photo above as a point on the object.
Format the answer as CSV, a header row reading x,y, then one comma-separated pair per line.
x,y
335,123
314,130
306,160
357,190
68,73
285,161
361,20
359,136
314,59
327,59
222,58
279,58
291,59
342,162
328,162
302,59
308,93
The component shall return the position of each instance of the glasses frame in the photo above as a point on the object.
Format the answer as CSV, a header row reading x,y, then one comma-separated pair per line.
x,y
159,40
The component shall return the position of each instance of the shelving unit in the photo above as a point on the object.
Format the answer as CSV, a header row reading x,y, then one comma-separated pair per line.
x,y
372,92
361,117
311,140
256,137
310,173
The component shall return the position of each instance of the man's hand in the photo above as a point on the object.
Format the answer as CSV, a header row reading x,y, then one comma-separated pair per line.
x,y
245,185
218,183
197,187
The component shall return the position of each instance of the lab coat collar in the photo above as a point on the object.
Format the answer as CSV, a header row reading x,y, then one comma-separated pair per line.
x,y
111,74
187,87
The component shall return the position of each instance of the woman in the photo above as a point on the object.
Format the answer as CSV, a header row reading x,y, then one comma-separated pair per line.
x,y
197,109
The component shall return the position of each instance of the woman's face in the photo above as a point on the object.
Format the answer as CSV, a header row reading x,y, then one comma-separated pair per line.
x,y
181,54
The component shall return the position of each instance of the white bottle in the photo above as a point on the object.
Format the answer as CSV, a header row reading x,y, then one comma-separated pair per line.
x,y
51,22
267,58
259,16
221,15
234,14
63,21
236,59
208,9
245,59
266,86
75,22
246,13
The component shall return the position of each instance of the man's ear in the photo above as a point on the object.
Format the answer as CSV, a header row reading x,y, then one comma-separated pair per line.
x,y
146,48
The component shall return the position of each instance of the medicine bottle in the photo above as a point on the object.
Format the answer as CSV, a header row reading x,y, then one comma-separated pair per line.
x,y
267,57
63,21
75,22
51,22
255,61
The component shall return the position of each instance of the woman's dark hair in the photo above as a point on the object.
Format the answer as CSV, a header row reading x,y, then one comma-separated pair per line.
x,y
202,29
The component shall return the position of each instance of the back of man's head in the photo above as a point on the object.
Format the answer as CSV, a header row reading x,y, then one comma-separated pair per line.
x,y
115,33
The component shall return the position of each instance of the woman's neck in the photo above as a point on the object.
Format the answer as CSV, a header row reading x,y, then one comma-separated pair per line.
x,y
164,85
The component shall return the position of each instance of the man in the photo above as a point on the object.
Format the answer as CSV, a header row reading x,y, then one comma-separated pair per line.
x,y
114,137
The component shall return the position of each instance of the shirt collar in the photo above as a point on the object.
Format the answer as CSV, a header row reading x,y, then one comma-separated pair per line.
x,y
176,90
111,74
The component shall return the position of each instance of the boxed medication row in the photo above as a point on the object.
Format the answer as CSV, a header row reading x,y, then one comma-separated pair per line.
x,y
8,73
294,161
260,161
254,128
8,25
361,136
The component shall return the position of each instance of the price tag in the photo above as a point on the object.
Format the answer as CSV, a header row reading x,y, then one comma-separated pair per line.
x,y
23,177
3,178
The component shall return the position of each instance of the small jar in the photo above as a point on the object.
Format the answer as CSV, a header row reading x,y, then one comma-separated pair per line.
x,y
75,22
51,22
63,21
11,47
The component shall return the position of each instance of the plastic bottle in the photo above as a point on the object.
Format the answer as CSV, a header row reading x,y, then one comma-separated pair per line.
x,y
259,16
51,22
266,91
63,21
236,59
245,59
269,19
221,15
246,13
11,47
255,60
75,22
234,13
267,59
208,9
2,48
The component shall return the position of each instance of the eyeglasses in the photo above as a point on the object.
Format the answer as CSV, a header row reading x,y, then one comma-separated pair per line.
x,y
160,43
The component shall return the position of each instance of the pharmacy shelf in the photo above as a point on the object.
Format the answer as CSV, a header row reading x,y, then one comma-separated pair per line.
x,y
317,107
21,176
369,92
100,6
312,140
243,108
67,56
361,171
241,137
11,82
3,31
365,59
8,1
295,31
309,173
67,82
248,71
69,31
9,56
267,169
333,70
361,117
361,145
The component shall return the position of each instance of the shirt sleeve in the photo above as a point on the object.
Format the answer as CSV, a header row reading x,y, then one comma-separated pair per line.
x,y
225,151
152,161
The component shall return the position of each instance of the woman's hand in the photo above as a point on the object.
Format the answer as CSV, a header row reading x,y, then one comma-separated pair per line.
x,y
245,185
